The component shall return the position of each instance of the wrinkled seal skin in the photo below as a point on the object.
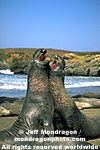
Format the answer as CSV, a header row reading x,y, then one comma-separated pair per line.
x,y
38,109
67,115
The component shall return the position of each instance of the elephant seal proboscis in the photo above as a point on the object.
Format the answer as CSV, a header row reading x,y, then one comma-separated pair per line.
x,y
67,115
38,109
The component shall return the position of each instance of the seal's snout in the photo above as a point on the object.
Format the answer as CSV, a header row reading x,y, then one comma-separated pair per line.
x,y
39,54
42,56
58,63
55,62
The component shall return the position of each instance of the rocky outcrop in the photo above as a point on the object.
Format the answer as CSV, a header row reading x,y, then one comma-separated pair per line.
x,y
4,65
9,99
82,65
77,63
19,64
87,95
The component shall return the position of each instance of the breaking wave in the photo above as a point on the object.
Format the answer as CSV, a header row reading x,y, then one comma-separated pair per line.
x,y
7,71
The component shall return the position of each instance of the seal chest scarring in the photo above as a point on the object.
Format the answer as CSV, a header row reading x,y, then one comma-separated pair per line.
x,y
67,115
38,110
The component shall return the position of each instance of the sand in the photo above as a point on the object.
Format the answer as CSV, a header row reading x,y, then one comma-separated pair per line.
x,y
6,122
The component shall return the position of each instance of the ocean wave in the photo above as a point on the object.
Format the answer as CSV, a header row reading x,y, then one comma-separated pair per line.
x,y
82,84
12,87
19,82
24,86
10,82
7,71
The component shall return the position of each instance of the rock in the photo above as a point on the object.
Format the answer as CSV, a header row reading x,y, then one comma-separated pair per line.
x,y
87,95
19,65
95,71
77,96
70,68
77,64
70,56
9,99
82,65
82,71
4,65
91,95
77,71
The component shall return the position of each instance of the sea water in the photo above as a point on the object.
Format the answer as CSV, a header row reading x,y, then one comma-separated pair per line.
x,y
12,85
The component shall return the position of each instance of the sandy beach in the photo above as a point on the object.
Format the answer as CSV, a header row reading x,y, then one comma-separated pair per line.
x,y
6,122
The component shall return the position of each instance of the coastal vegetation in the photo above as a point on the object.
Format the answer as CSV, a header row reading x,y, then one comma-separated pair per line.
x,y
77,63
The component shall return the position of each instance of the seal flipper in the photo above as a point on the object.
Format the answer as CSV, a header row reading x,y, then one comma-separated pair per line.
x,y
45,121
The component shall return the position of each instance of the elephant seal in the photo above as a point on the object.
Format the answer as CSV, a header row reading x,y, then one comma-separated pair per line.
x,y
83,105
38,109
15,107
4,111
67,115
92,101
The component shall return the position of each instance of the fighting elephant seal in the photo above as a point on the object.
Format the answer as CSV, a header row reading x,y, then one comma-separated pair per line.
x,y
67,115
37,112
38,109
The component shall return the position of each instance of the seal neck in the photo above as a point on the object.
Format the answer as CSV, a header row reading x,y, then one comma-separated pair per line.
x,y
56,72
57,75
41,66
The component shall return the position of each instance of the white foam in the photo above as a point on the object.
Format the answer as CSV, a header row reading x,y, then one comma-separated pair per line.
x,y
83,84
7,71
10,82
19,82
11,87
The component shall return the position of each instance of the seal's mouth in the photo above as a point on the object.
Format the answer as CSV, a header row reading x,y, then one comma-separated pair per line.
x,y
39,55
58,63
42,55
54,63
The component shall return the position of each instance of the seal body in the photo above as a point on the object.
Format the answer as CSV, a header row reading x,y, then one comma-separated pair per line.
x,y
38,109
4,111
67,115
